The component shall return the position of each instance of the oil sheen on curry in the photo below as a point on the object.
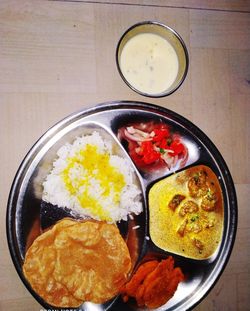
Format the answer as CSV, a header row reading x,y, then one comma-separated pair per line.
x,y
186,213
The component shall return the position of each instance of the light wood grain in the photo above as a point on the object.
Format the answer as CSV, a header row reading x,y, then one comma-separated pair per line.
x,y
57,57
221,5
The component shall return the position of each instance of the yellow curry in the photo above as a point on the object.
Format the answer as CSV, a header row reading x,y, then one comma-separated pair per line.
x,y
186,213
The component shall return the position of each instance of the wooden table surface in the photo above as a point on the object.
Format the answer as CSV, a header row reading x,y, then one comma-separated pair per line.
x,y
57,57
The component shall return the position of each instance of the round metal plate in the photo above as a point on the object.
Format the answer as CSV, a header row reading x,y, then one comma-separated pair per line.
x,y
25,216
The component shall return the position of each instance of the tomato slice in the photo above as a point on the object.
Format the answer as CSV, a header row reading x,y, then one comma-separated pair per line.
x,y
163,144
177,147
160,134
151,157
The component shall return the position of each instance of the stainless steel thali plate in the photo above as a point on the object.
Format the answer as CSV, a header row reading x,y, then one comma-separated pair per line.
x,y
27,216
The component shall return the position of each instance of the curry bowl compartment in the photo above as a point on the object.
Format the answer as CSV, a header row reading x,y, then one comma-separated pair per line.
x,y
186,213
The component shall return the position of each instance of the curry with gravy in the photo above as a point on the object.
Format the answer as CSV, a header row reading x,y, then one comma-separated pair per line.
x,y
186,213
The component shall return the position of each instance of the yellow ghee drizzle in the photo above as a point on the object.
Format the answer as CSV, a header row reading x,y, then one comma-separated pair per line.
x,y
94,165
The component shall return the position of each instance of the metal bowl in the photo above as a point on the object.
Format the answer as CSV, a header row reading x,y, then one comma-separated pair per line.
x,y
168,34
25,218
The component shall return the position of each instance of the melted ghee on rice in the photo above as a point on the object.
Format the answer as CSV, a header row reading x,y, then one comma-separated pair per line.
x,y
96,166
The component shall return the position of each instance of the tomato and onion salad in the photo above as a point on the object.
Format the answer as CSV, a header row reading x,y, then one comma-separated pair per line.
x,y
153,143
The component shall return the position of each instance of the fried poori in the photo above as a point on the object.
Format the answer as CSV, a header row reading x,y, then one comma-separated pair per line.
x,y
77,261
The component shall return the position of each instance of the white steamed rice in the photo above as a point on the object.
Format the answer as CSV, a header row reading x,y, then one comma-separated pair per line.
x,y
112,207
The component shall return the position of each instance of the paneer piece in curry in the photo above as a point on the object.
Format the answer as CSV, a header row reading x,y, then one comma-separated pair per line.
x,y
186,213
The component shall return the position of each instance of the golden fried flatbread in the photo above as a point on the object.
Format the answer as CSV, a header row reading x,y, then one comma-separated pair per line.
x,y
78,261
